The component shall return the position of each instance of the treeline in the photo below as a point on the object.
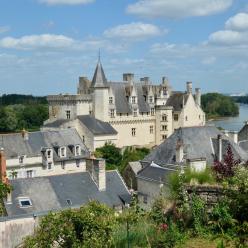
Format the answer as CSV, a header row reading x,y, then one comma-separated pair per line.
x,y
241,99
22,99
22,111
215,105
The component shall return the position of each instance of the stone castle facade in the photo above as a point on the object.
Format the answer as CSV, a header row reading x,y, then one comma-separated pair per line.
x,y
126,113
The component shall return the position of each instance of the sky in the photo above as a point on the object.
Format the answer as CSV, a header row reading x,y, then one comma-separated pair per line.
x,y
45,45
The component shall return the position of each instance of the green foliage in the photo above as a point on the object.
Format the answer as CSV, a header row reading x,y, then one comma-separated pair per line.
x,y
158,211
90,226
13,99
16,117
215,104
111,154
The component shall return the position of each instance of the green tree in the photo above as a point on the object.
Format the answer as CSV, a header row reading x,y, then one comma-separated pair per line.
x,y
90,226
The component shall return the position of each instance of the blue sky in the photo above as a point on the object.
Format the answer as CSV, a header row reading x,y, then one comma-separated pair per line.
x,y
45,45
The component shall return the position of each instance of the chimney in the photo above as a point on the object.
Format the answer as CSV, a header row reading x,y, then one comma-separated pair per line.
x,y
234,136
198,96
179,151
24,134
3,166
146,80
96,168
189,87
165,81
128,77
219,140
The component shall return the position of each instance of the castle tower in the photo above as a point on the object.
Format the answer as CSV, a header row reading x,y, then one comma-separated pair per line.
x,y
100,93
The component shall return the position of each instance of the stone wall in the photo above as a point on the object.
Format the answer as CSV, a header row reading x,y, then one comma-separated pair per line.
x,y
210,194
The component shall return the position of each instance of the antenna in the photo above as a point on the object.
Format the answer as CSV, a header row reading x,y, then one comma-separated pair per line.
x,y
99,55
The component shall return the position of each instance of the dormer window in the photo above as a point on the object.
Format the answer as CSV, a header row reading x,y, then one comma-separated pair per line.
x,y
133,99
164,117
25,202
49,153
111,100
77,150
62,152
150,99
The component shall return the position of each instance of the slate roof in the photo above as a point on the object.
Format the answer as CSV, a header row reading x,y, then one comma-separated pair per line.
x,y
136,166
243,133
56,123
155,173
99,80
14,144
199,142
97,127
176,100
52,192
121,101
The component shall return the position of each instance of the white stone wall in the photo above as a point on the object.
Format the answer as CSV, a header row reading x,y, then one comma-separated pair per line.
x,y
151,189
100,140
39,170
12,232
101,104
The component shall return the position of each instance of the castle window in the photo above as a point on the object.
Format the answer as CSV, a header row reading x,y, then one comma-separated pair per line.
x,y
112,113
199,117
21,158
164,127
49,166
164,117
135,112
68,114
151,129
133,99
164,137
133,132
77,163
63,165
175,117
49,153
150,99
29,173
110,100
152,111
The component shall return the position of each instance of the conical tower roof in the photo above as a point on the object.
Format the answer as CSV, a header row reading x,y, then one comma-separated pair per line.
x,y
99,80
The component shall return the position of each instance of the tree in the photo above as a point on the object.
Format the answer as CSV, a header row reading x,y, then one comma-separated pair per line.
x,y
90,226
110,153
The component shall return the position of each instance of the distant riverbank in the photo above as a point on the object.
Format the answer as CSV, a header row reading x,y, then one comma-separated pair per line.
x,y
232,123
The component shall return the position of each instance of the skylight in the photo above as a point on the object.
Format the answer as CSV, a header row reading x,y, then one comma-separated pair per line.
x,y
69,202
25,202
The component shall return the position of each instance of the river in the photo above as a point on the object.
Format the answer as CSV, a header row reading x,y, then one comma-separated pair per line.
x,y
232,123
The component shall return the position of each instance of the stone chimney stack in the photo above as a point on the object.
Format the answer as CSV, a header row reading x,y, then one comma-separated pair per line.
x,y
165,81
198,96
25,134
3,172
219,140
146,80
96,168
128,77
189,87
179,152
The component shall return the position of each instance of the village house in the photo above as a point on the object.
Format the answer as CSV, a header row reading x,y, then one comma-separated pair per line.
x,y
196,147
126,113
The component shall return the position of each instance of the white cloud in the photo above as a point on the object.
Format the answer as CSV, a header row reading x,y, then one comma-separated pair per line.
x,y
37,41
229,37
178,8
66,2
235,32
134,31
4,29
238,22
209,60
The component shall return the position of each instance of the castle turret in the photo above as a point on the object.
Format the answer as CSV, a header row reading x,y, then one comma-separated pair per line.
x,y
100,93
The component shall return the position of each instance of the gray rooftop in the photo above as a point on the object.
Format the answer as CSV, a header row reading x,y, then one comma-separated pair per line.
x,y
99,80
52,192
243,133
15,145
199,142
155,173
96,126
177,100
